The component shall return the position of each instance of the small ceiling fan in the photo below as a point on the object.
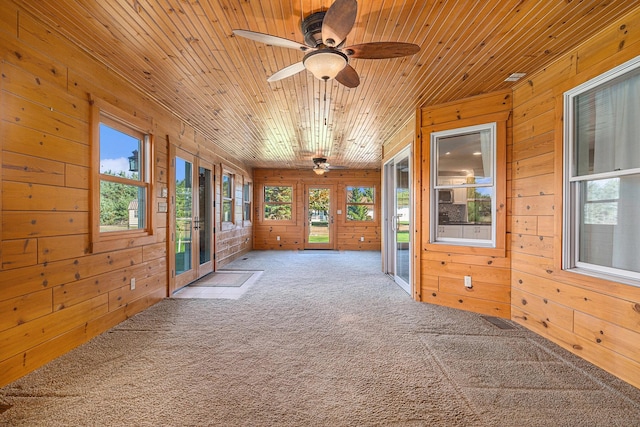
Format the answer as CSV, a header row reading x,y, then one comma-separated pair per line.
x,y
325,36
321,166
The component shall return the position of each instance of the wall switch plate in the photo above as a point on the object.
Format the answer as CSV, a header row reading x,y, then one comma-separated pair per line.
x,y
339,212
467,282
133,283
278,238
362,238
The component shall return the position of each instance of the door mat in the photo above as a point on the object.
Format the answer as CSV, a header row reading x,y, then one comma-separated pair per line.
x,y
225,279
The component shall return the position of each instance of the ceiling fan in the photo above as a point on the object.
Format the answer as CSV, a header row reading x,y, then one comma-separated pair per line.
x,y
321,166
325,36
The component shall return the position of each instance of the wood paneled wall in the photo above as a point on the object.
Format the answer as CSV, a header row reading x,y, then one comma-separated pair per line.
x,y
55,293
595,319
443,267
292,235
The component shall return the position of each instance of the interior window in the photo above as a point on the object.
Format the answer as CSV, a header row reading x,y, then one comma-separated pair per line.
x,y
360,203
227,197
602,174
278,203
246,201
463,185
124,183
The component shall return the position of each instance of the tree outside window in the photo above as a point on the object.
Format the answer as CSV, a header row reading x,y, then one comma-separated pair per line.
x,y
278,203
227,197
360,203
246,201
123,187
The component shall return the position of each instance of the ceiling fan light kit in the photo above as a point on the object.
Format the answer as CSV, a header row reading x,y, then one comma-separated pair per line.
x,y
318,170
325,34
320,165
325,64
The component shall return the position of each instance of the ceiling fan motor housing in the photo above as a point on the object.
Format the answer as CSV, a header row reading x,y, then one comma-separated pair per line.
x,y
312,29
319,160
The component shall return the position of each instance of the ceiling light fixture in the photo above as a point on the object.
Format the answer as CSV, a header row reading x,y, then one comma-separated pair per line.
x,y
319,171
325,64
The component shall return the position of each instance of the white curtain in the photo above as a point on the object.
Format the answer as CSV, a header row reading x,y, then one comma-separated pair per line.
x,y
486,147
617,147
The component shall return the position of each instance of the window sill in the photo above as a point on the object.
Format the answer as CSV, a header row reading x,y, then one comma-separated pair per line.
x,y
466,248
122,240
625,280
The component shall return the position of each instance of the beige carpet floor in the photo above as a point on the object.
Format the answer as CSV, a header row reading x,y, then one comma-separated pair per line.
x,y
318,340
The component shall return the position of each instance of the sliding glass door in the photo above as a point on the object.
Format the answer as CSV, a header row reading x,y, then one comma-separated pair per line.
x,y
397,207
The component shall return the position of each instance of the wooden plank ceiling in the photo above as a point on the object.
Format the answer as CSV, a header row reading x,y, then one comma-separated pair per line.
x,y
183,54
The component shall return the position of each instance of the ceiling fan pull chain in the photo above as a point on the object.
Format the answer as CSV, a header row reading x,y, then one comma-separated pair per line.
x,y
326,112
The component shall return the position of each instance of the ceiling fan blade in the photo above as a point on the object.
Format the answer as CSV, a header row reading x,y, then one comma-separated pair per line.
x,y
270,40
338,21
348,77
381,50
287,72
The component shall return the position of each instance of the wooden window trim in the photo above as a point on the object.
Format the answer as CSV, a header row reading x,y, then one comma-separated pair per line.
x,y
500,187
294,199
375,205
247,222
105,242
225,225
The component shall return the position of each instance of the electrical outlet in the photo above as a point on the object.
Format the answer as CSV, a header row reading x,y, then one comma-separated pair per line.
x,y
467,282
278,238
362,238
133,283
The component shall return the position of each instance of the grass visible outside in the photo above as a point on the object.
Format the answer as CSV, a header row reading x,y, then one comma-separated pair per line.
x,y
402,236
318,239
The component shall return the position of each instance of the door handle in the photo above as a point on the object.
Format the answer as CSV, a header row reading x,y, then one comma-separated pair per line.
x,y
196,223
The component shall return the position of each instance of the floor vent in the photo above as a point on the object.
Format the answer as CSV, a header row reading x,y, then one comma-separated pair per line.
x,y
4,407
498,323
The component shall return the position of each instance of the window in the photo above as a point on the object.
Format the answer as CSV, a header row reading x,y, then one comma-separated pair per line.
x,y
602,175
463,190
246,201
122,182
227,197
360,203
278,203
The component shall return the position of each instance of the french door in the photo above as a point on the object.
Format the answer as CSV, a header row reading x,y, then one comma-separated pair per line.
x,y
193,215
397,174
319,210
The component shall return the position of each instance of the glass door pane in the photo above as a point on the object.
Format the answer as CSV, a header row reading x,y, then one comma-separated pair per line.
x,y
205,215
397,219
319,218
184,215
402,223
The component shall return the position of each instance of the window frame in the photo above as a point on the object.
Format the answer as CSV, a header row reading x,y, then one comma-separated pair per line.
x,y
227,199
247,201
572,180
372,205
293,203
434,187
129,124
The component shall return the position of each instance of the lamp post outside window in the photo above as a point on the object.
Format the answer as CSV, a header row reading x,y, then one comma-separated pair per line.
x,y
133,162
